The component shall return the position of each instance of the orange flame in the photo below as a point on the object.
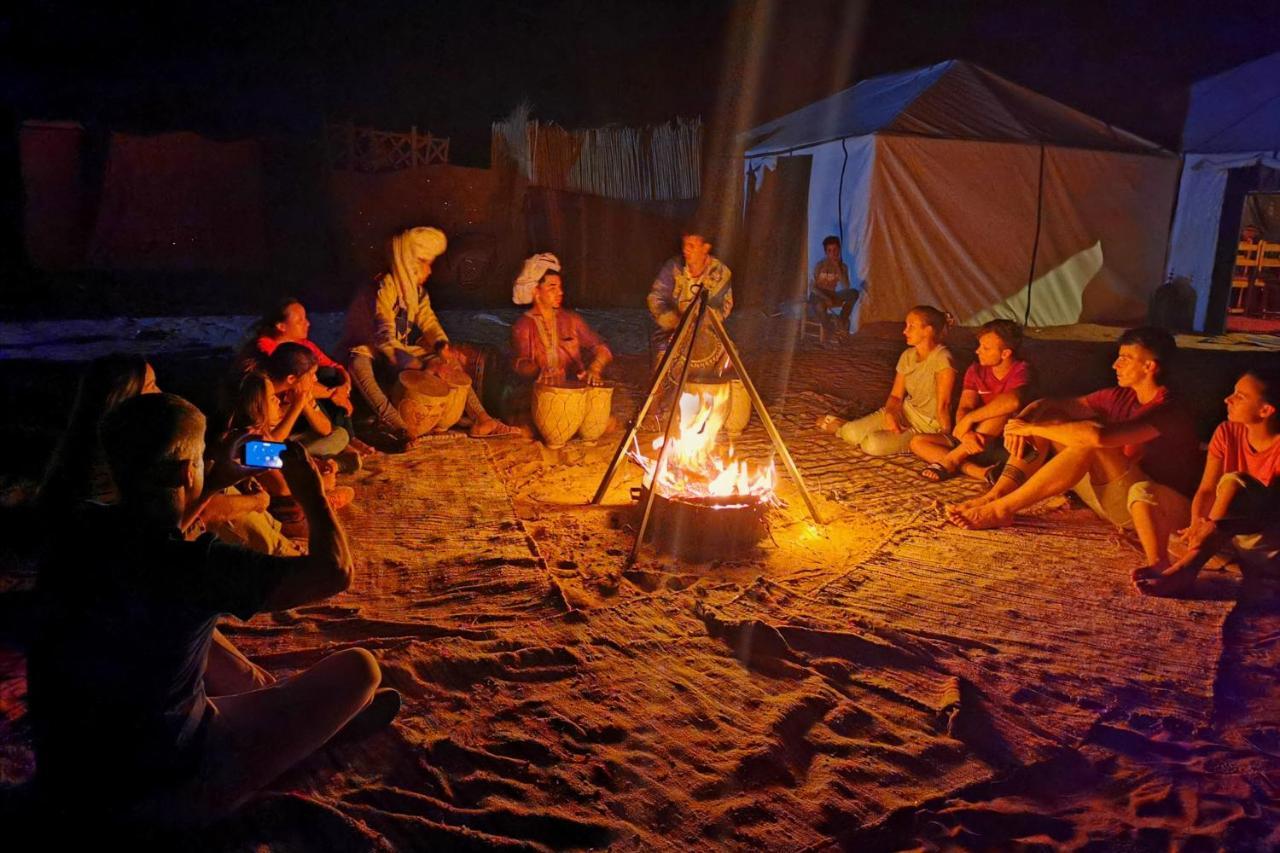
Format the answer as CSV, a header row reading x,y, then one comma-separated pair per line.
x,y
695,467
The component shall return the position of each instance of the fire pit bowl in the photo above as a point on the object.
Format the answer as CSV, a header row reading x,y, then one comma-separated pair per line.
x,y
700,529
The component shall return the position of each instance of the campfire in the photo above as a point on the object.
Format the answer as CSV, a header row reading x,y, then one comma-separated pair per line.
x,y
698,466
700,501
709,504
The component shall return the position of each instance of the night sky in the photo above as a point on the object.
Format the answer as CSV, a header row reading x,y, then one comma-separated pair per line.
x,y
236,68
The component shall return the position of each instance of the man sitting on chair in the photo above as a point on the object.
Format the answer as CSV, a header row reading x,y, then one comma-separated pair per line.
x,y
828,275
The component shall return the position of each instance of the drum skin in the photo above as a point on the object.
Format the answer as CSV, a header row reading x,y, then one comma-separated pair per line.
x,y
420,398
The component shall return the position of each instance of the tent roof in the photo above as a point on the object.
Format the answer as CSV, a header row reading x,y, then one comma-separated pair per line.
x,y
1235,111
951,100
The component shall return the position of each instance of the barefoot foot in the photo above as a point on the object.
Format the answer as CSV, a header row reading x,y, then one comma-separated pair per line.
x,y
984,517
1176,580
830,424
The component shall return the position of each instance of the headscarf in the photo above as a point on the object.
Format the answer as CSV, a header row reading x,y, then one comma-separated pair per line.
x,y
407,248
534,268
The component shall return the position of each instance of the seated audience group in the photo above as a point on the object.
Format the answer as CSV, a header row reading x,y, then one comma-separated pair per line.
x,y
1129,452
167,722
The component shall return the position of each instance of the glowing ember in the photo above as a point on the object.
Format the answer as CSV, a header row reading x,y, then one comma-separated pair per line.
x,y
695,466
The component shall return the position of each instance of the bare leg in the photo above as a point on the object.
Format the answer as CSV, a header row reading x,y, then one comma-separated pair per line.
x,y
1017,472
1227,517
1056,476
256,736
934,449
227,671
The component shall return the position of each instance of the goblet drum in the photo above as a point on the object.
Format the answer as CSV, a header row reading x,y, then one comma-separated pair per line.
x,y
558,412
595,419
739,408
459,385
420,398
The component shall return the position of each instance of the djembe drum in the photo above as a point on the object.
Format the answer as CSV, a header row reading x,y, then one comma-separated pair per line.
x,y
420,398
595,419
558,411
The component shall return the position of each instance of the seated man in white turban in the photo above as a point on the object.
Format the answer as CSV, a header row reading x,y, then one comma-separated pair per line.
x,y
549,341
391,327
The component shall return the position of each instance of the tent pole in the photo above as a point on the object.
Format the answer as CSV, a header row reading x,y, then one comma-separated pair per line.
x,y
1035,241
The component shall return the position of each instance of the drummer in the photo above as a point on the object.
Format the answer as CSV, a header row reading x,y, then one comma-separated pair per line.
x,y
549,341
679,281
391,327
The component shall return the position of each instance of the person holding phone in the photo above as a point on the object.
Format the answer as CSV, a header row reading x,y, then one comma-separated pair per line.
x,y
118,701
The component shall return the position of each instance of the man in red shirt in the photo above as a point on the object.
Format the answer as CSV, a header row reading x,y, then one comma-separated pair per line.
x,y
1129,452
1238,501
994,388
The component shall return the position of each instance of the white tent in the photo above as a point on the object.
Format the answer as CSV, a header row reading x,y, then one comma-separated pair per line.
x,y
952,186
1233,122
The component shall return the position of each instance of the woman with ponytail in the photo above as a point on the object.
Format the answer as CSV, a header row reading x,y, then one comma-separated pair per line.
x,y
920,402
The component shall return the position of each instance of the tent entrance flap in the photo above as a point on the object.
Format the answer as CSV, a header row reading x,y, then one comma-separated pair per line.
x,y
1239,184
776,228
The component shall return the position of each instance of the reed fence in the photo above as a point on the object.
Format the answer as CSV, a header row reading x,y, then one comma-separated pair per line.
x,y
656,163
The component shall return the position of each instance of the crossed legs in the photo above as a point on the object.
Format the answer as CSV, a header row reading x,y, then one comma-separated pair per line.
x,y
941,450
254,737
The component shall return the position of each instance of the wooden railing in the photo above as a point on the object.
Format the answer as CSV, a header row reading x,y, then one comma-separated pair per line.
x,y
363,149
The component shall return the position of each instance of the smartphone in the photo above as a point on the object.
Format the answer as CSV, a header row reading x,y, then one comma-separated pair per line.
x,y
263,454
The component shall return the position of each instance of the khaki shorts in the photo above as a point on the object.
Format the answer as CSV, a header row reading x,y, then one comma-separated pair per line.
x,y
1112,501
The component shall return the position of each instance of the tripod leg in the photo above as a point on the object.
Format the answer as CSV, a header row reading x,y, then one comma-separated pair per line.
x,y
663,368
666,436
778,444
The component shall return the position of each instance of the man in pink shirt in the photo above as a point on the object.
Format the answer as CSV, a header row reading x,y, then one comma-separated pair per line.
x,y
1238,501
995,387
1129,452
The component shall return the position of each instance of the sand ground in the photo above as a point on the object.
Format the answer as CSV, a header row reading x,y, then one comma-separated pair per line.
x,y
879,681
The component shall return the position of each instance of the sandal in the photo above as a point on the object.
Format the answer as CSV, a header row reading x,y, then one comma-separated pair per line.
x,y
936,472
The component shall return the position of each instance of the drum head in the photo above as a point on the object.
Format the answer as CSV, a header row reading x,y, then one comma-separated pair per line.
x,y
706,351
423,383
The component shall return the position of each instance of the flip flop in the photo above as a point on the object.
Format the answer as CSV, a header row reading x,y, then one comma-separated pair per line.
x,y
934,472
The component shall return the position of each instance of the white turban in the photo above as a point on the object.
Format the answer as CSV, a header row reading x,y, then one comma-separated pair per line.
x,y
534,268
407,249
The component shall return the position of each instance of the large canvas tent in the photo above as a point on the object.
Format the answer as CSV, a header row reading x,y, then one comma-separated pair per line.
x,y
953,186
1231,145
